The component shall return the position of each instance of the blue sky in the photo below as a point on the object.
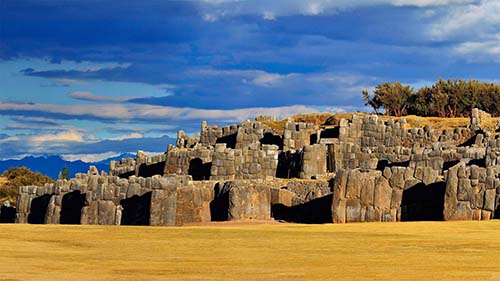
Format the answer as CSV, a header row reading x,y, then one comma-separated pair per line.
x,y
94,78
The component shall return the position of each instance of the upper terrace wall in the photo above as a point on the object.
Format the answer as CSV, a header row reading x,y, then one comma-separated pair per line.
x,y
230,164
143,166
297,135
196,162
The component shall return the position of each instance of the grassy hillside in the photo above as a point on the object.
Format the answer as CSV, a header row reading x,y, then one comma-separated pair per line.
x,y
367,251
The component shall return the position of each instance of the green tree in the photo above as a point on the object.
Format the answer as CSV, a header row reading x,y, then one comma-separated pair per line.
x,y
64,173
392,97
445,98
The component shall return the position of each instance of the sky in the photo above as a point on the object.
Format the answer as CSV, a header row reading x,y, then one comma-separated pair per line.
x,y
89,79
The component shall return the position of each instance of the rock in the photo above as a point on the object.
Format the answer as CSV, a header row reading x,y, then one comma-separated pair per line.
x,y
383,193
353,210
489,200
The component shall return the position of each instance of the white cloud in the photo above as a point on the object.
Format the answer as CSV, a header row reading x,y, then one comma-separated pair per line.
x,y
70,136
273,9
90,157
480,51
268,15
128,136
42,143
66,81
88,96
108,111
265,78
478,20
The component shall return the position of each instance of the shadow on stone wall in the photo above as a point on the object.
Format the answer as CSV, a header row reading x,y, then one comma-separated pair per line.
x,y
447,165
289,164
136,209
127,175
423,202
38,209
330,133
151,170
382,164
318,210
7,214
269,138
220,205
229,140
199,170
71,207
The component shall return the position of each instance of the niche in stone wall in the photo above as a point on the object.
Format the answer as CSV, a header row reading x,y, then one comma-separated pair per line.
x,y
7,214
229,140
423,202
318,210
313,138
270,138
136,210
71,207
38,209
289,164
146,171
220,205
330,133
199,170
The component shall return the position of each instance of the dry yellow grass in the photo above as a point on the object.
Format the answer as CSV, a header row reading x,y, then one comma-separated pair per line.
x,y
370,251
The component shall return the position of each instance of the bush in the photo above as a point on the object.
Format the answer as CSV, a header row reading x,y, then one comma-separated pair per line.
x,y
20,176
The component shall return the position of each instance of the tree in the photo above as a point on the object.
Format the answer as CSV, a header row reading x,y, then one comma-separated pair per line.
x,y
64,173
392,97
445,98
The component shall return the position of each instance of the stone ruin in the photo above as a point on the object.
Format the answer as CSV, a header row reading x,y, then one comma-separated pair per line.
x,y
361,170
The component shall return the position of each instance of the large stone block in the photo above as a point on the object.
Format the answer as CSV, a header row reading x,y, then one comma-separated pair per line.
x,y
106,213
249,202
163,206
383,193
353,210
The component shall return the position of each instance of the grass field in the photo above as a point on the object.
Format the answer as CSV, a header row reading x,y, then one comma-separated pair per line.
x,y
398,251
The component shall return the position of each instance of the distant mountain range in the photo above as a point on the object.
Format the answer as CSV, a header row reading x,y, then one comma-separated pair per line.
x,y
51,165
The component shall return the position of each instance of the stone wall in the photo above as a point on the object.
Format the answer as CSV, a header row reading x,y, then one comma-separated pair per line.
x,y
478,118
346,155
364,196
230,164
196,162
108,200
210,135
302,201
370,143
492,157
472,192
392,195
184,141
141,166
297,135
313,161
